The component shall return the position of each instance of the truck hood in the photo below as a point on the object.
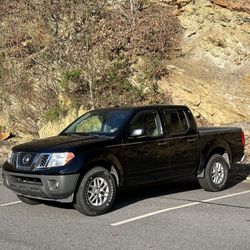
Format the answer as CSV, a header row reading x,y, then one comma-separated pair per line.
x,y
61,143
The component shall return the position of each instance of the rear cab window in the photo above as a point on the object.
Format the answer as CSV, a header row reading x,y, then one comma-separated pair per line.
x,y
175,121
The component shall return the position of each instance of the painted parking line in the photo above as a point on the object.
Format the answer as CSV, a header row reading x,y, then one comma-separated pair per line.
x,y
10,203
1,182
175,208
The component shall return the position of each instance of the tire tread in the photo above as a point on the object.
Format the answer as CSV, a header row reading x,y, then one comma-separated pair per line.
x,y
206,182
81,205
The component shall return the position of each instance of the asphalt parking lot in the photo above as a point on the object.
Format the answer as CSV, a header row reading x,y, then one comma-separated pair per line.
x,y
177,215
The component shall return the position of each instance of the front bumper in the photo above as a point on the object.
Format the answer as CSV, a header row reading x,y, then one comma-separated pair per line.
x,y
46,187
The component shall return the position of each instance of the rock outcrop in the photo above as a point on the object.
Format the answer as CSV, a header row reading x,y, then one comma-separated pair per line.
x,y
240,5
212,74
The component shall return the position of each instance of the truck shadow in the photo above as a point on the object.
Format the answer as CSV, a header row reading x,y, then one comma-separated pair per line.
x,y
238,174
133,195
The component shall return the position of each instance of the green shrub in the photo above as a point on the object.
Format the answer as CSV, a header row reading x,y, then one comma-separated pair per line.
x,y
55,113
71,75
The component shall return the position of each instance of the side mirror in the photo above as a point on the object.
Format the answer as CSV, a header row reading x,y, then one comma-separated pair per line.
x,y
137,132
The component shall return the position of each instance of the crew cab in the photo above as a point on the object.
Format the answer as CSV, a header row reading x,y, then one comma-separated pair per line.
x,y
106,150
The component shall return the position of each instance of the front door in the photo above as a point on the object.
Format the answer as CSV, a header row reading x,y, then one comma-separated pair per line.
x,y
146,158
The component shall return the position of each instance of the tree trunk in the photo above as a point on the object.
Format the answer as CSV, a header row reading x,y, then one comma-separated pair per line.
x,y
132,7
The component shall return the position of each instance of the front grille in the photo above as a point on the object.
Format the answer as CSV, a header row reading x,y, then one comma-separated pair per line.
x,y
25,160
30,160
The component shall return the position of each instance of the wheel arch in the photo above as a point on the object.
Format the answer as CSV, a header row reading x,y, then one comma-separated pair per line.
x,y
214,147
109,162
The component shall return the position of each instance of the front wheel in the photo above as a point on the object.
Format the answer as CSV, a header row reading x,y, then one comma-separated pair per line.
x,y
96,193
216,174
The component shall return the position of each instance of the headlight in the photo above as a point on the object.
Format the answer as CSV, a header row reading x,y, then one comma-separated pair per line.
x,y
60,159
9,157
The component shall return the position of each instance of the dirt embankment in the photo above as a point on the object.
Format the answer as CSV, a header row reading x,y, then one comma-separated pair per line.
x,y
212,74
4,149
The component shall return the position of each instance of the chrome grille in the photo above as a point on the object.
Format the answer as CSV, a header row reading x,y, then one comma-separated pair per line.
x,y
29,160
43,160
25,159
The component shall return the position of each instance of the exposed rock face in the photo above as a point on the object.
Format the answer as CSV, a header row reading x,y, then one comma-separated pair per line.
x,y
240,5
212,74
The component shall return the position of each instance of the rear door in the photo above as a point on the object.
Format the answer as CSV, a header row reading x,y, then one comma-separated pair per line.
x,y
183,142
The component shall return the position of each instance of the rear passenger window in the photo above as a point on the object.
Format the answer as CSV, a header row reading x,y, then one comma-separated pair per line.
x,y
176,122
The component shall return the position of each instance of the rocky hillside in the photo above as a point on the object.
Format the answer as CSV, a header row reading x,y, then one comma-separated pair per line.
x,y
59,59
212,75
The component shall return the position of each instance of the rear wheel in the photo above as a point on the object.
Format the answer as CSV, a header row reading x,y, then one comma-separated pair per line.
x,y
96,193
216,174
27,200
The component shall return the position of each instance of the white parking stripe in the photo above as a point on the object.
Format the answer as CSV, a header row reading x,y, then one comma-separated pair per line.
x,y
1,182
10,203
175,208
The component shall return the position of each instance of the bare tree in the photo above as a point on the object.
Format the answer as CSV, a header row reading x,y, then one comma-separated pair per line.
x,y
132,7
91,8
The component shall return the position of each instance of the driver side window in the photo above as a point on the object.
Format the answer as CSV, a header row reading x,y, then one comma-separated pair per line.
x,y
148,122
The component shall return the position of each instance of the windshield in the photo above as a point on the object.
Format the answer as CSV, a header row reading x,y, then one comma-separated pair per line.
x,y
101,122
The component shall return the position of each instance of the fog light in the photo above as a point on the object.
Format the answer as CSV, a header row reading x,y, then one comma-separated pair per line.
x,y
53,184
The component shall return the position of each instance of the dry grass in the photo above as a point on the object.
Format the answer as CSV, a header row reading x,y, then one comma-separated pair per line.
x,y
41,42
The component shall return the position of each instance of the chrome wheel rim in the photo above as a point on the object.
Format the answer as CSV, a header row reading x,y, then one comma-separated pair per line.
x,y
97,191
218,173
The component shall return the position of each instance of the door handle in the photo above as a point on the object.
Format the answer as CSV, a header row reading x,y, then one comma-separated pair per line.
x,y
191,140
162,143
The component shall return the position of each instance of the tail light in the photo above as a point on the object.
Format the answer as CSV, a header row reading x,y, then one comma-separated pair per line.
x,y
243,139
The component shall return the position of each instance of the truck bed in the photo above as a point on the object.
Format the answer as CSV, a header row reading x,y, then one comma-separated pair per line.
x,y
229,137
215,130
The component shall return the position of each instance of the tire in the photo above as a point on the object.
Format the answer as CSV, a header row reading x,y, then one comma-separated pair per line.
x,y
216,174
27,200
96,193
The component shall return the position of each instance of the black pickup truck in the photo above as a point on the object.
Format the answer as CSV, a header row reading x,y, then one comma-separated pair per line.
x,y
108,149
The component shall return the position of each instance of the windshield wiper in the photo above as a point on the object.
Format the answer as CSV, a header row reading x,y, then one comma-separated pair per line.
x,y
98,135
93,135
75,134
